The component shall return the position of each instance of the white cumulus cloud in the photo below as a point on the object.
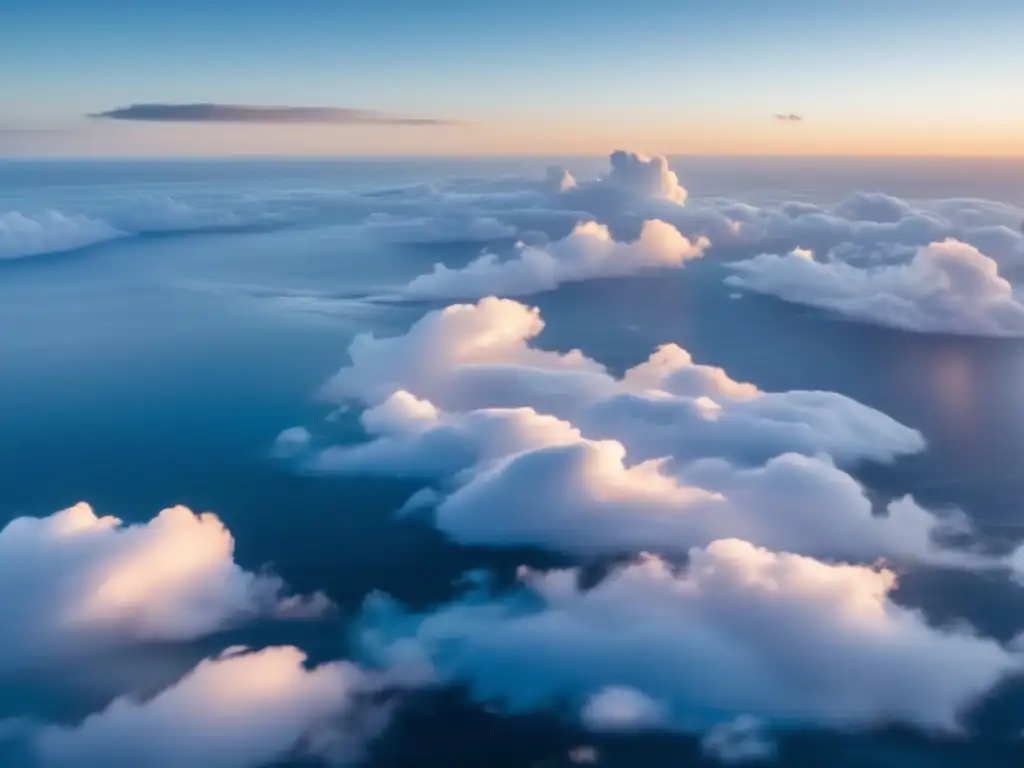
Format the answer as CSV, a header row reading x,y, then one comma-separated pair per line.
x,y
415,439
239,710
586,499
472,356
741,631
74,582
588,252
947,287
632,177
536,447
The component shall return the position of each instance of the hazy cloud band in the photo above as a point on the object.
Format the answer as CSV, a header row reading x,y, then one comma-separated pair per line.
x,y
240,113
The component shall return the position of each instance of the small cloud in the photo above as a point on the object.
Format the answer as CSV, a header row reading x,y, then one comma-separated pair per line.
x,y
792,117
238,113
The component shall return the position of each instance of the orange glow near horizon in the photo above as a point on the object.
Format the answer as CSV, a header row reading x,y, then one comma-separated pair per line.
x,y
717,136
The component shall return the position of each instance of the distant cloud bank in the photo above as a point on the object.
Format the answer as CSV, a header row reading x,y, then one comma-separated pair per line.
x,y
792,117
242,113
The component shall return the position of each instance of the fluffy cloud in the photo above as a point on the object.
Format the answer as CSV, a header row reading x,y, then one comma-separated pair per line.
x,y
557,179
741,631
585,499
415,439
549,449
873,207
239,710
671,369
643,176
74,582
947,287
653,425
588,252
862,220
292,441
56,231
675,407
50,232
461,358
633,185
472,356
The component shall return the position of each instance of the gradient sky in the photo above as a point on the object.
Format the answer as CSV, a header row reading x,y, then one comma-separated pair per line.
x,y
531,76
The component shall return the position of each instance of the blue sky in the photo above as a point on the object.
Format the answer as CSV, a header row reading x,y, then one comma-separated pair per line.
x,y
525,73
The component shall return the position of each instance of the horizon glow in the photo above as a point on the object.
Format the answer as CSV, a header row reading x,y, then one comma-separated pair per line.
x,y
927,78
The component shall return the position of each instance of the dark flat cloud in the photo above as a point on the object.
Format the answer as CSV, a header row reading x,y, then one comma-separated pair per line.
x,y
240,113
792,117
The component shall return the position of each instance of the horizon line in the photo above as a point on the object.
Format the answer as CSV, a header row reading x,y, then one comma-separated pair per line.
x,y
498,156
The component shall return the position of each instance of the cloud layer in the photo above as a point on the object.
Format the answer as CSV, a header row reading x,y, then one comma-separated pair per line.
x,y
633,189
758,609
946,287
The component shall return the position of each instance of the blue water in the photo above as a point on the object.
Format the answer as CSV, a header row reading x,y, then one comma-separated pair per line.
x,y
156,367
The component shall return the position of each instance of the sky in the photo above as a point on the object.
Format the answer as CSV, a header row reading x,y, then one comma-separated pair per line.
x,y
873,77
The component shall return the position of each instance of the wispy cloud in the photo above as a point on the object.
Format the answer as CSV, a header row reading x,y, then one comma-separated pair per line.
x,y
792,117
241,113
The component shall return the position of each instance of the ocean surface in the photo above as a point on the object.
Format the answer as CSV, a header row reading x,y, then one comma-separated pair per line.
x,y
167,319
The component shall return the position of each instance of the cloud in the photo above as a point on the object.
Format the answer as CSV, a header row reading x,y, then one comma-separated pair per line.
x,y
292,442
741,631
865,219
873,207
459,358
946,287
621,709
632,181
635,188
645,176
73,583
789,118
558,179
241,113
414,439
588,252
586,499
524,446
739,741
472,356
241,709
50,232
